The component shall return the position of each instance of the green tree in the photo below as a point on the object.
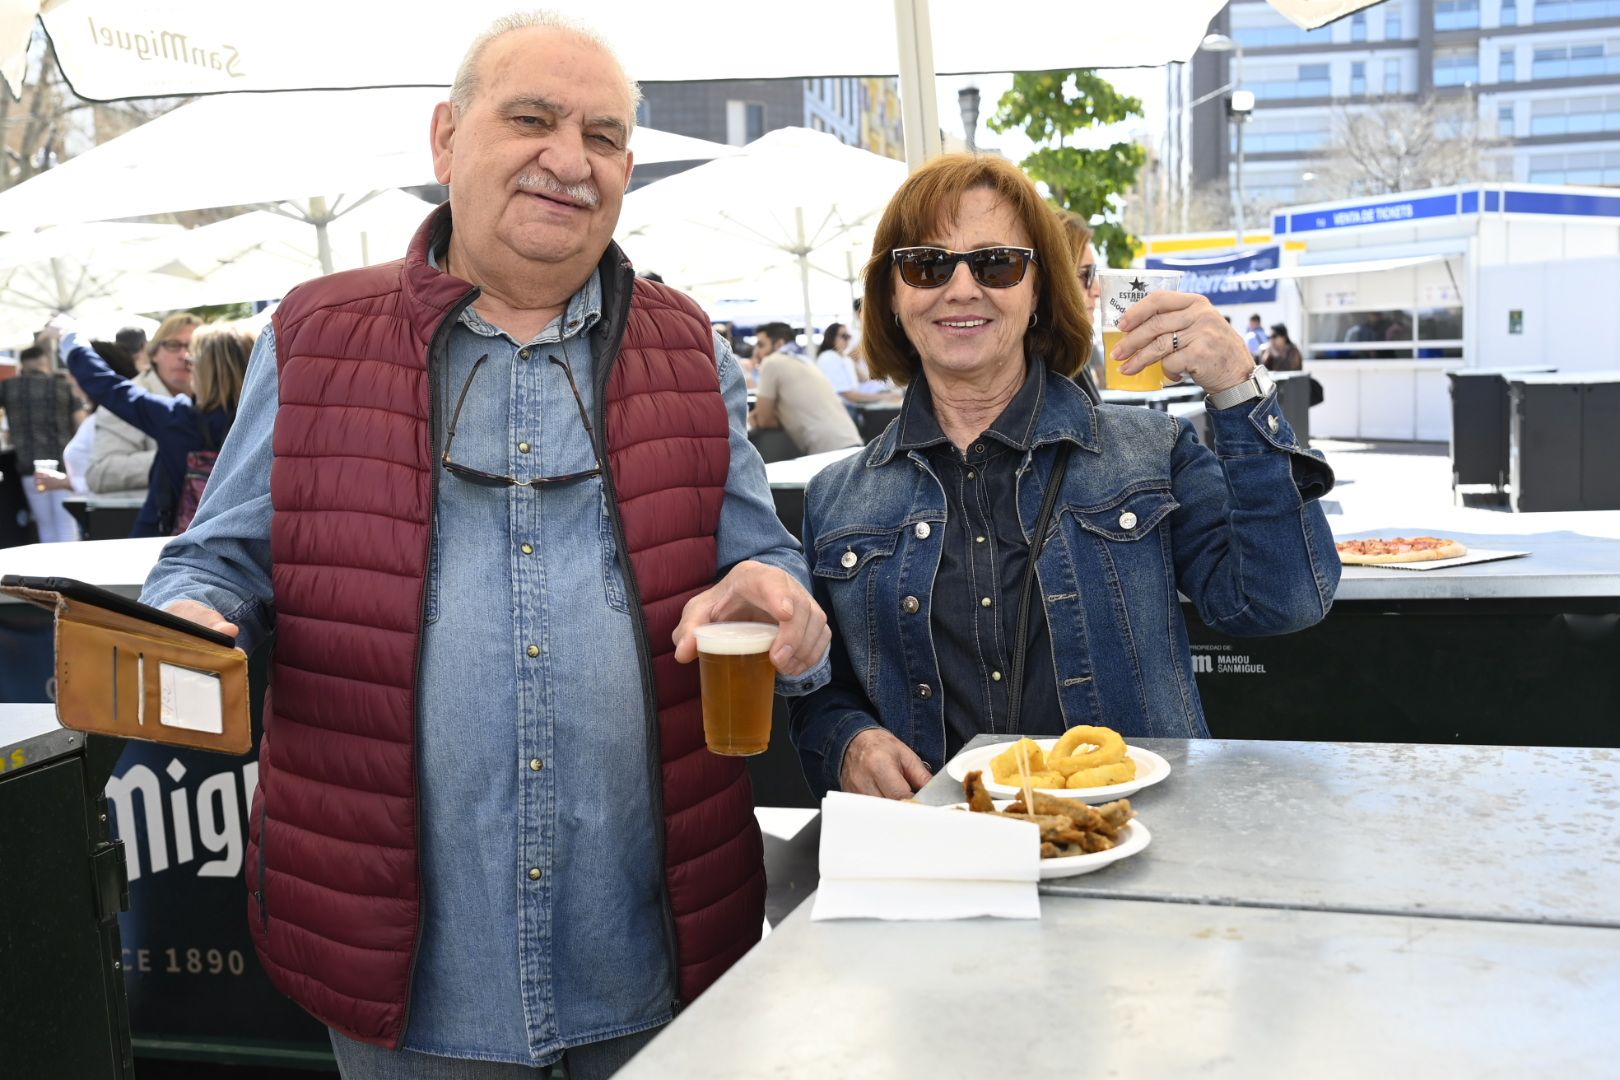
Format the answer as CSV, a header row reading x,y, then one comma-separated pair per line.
x,y
1051,106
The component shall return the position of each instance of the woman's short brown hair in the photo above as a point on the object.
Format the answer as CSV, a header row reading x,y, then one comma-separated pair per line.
x,y
220,354
928,199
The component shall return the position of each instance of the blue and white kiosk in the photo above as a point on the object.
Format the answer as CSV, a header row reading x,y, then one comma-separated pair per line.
x,y
1386,294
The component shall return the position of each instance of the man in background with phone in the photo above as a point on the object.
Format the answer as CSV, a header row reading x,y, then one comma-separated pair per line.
x,y
483,495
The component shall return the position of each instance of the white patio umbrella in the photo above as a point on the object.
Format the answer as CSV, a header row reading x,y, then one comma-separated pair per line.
x,y
112,49
313,156
794,203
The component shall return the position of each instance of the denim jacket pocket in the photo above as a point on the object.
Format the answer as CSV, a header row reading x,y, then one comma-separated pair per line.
x,y
842,557
612,575
1131,516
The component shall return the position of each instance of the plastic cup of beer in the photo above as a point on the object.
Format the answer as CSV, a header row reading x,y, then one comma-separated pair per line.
x,y
739,685
1120,290
43,465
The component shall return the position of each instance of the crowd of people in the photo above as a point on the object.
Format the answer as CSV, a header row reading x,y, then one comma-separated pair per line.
x,y
126,417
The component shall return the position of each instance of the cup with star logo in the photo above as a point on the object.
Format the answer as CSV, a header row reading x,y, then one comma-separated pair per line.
x,y
1120,290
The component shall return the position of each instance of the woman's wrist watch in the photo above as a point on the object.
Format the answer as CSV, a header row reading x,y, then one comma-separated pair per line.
x,y
1255,386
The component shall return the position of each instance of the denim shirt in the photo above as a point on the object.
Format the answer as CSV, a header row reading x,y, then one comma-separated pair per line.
x,y
1144,510
526,762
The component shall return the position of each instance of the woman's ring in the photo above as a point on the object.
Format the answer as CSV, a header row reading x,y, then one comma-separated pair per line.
x,y
1175,342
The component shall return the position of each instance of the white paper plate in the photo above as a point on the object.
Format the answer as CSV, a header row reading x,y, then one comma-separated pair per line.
x,y
1150,769
1134,838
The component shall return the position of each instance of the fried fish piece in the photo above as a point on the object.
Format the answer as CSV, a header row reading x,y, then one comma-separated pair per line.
x,y
978,797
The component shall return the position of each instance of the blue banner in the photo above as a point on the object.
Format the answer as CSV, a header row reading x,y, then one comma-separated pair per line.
x,y
1379,213
1210,276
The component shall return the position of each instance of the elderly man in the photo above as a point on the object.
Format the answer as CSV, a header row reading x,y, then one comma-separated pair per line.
x,y
485,493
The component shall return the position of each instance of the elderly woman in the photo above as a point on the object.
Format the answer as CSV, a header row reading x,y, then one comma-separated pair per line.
x,y
1006,556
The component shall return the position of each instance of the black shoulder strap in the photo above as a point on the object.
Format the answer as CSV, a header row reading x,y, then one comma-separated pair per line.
x,y
1015,694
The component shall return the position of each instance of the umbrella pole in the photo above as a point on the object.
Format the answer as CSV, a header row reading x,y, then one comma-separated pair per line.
x,y
804,283
919,112
320,218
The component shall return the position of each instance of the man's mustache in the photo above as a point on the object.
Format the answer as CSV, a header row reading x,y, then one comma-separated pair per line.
x,y
544,183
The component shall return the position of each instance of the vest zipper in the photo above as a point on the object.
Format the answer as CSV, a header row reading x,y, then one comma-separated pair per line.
x,y
614,339
435,348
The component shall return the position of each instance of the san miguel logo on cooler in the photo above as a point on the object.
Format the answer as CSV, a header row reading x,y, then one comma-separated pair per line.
x,y
168,45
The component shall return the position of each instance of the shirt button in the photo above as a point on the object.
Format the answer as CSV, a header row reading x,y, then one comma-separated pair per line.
x,y
534,873
911,605
970,474
984,601
533,651
1271,422
535,764
922,530
924,690
848,559
523,448
523,354
995,676
527,549
1127,520
978,539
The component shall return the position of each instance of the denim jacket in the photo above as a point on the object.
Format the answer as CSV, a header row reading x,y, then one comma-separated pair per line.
x,y
1145,510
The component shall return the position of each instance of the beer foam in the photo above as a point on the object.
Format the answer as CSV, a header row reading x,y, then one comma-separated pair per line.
x,y
735,638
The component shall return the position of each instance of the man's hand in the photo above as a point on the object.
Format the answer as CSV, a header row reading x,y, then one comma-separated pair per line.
x,y
877,763
755,592
202,615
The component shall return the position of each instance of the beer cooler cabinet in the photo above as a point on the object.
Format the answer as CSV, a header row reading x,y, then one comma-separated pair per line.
x,y
62,885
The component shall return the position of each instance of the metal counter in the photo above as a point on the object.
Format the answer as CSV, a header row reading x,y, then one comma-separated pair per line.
x,y
1526,834
1135,989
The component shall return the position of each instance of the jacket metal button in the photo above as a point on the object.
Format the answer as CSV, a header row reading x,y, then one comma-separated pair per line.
x,y
535,764
922,530
910,605
1271,422
523,448
848,560
533,651
924,690
1127,520
534,873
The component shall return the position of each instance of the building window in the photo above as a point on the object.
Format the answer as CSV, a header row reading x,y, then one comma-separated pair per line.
x,y
1573,62
1600,167
1575,116
1569,10
1457,67
745,122
1504,121
644,114
1392,25
1456,14
1392,77
1504,64
1275,30
1510,13
1358,79
1312,80
1358,26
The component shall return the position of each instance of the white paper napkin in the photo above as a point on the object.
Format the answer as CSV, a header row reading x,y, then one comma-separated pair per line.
x,y
882,859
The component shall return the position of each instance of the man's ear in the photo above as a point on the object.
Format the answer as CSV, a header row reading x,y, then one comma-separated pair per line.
x,y
629,167
442,136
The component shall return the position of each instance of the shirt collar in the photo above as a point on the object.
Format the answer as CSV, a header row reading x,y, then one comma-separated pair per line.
x,y
919,427
583,312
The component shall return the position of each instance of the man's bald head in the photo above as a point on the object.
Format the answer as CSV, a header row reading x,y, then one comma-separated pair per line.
x,y
465,88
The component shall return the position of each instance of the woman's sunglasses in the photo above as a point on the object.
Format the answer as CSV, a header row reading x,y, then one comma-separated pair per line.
x,y
992,267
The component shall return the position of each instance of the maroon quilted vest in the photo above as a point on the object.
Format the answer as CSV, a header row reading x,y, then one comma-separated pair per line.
x,y
333,871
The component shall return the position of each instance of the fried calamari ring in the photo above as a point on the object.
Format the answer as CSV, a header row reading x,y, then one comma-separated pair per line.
x,y
1108,748
1116,772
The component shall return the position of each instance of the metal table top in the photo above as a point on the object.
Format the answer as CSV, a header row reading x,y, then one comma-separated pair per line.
x,y
1120,988
1562,564
797,472
120,565
1478,832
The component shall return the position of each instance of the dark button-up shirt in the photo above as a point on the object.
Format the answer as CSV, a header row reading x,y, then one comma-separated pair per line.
x,y
983,559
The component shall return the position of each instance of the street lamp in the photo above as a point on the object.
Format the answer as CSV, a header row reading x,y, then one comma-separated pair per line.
x,y
967,99
1238,109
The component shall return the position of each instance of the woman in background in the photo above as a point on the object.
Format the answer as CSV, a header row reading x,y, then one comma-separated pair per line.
x,y
183,426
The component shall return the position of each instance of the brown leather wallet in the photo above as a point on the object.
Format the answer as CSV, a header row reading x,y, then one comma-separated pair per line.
x,y
127,677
